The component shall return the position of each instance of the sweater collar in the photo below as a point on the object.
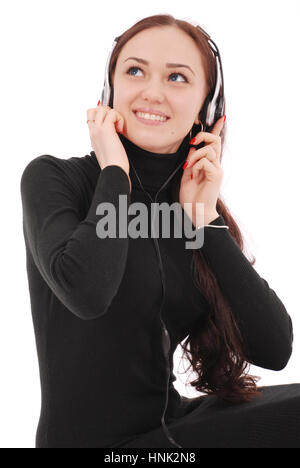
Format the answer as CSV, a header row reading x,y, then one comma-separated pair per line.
x,y
153,169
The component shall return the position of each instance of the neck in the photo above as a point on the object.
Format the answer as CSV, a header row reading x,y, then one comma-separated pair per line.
x,y
153,169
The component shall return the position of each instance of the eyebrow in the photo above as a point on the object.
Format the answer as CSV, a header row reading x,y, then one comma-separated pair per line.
x,y
168,65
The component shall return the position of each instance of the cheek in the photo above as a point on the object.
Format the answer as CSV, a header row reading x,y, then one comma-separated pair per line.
x,y
183,103
183,113
126,95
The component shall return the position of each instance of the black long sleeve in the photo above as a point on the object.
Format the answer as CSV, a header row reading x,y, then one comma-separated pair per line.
x,y
265,325
82,269
97,303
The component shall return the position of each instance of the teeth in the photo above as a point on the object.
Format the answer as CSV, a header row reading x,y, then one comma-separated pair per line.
x,y
151,116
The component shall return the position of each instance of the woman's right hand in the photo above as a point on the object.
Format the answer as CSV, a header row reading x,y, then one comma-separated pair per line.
x,y
104,138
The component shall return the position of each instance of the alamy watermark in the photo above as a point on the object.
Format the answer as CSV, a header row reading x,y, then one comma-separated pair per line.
x,y
139,225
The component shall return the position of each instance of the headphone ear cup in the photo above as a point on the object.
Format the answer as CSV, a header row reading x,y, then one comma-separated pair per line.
x,y
220,107
204,113
111,99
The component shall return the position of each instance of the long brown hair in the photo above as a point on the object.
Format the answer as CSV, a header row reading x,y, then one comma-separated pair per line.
x,y
215,349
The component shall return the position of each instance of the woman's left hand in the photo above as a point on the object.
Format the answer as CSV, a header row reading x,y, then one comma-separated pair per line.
x,y
202,177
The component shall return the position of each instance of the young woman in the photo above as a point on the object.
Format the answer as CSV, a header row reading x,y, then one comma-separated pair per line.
x,y
109,311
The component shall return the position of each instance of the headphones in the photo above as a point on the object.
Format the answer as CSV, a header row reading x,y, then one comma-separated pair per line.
x,y
212,108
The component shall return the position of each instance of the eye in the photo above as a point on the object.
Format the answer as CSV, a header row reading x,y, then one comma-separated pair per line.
x,y
172,74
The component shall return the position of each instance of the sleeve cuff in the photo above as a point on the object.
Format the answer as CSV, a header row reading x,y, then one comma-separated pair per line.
x,y
219,221
198,239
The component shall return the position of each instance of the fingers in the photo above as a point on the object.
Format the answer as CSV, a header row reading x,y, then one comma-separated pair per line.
x,y
213,136
207,151
101,112
116,118
207,138
213,141
96,116
91,114
218,126
211,171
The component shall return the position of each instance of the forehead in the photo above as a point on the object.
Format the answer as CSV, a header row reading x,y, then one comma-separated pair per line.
x,y
160,45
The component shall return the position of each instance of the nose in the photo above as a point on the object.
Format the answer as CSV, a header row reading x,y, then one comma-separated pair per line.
x,y
153,92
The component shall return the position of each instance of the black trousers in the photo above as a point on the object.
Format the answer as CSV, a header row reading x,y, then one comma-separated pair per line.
x,y
270,421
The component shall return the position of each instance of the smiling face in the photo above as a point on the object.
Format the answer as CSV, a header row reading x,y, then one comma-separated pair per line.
x,y
173,90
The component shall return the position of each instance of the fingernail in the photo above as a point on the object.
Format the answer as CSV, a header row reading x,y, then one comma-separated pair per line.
x,y
98,103
185,165
192,140
224,118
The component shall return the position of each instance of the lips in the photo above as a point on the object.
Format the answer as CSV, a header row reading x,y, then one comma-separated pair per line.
x,y
149,111
150,122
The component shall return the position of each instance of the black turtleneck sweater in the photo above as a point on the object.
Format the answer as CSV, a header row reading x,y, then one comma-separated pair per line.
x,y
95,302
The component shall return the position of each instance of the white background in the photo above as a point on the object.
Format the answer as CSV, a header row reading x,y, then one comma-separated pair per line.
x,y
53,57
